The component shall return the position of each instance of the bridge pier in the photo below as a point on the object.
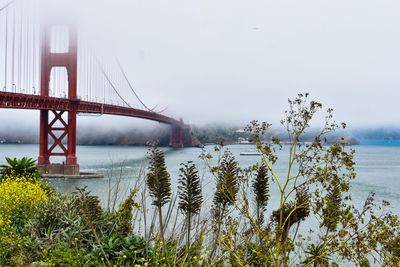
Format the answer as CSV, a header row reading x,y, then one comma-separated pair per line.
x,y
62,132
176,137
58,168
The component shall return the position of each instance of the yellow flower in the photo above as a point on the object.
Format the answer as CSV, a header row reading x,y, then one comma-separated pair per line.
x,y
19,195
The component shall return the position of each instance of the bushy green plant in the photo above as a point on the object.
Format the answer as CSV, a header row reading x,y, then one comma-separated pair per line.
x,y
57,221
63,254
190,197
24,167
121,250
260,188
124,214
227,174
73,230
159,183
88,207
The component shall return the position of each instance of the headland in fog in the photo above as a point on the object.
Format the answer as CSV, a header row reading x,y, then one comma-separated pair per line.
x,y
206,134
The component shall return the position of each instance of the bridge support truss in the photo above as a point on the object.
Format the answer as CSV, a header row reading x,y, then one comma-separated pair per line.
x,y
61,130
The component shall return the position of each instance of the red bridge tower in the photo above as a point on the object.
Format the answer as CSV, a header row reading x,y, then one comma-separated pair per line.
x,y
58,122
52,124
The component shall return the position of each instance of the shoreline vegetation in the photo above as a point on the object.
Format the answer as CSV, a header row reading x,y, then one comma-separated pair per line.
x,y
315,222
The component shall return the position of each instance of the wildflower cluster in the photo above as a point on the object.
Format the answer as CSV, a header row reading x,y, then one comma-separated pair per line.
x,y
19,198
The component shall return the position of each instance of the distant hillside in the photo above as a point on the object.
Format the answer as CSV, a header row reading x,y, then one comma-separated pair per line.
x,y
214,134
95,136
377,133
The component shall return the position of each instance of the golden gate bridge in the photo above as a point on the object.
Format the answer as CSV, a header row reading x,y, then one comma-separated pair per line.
x,y
46,65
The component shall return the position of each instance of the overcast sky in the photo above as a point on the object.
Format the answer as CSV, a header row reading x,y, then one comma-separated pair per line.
x,y
234,61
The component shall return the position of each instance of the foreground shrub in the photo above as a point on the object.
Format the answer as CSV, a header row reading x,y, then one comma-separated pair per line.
x,y
19,199
74,230
24,167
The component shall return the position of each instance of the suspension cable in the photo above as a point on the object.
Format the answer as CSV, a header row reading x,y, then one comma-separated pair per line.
x,y
13,52
34,53
137,96
20,53
26,53
6,5
6,51
110,83
130,86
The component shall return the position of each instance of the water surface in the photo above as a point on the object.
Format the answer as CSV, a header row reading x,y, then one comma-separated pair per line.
x,y
377,167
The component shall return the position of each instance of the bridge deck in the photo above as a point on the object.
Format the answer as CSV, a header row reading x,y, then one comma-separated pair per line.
x,y
26,101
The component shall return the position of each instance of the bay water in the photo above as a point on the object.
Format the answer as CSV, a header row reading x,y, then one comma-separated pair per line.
x,y
377,167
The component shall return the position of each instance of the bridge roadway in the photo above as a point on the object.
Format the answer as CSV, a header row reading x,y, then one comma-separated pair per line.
x,y
27,101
